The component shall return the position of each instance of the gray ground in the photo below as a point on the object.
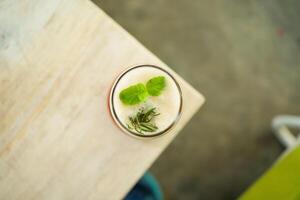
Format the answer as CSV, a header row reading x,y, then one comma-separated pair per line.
x,y
244,57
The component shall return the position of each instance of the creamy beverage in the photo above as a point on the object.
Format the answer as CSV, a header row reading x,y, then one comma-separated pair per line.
x,y
145,101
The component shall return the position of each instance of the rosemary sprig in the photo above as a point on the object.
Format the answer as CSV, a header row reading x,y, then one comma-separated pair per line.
x,y
142,121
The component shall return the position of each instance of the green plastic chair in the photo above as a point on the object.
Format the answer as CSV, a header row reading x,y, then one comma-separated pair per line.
x,y
282,180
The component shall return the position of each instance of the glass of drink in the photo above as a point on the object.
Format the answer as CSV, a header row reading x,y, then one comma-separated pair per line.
x,y
145,101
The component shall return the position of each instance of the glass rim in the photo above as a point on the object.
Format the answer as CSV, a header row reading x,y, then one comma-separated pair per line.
x,y
119,122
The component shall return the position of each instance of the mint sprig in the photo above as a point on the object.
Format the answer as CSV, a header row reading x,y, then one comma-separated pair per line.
x,y
156,85
138,93
134,94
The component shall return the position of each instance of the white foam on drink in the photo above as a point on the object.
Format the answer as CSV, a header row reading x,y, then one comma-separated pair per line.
x,y
167,103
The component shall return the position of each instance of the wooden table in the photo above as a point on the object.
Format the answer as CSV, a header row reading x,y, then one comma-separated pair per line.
x,y
58,60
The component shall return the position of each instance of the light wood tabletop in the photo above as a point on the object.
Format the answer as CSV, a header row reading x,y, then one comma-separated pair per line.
x,y
58,60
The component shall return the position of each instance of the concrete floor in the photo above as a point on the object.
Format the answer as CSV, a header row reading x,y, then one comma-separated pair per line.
x,y
244,57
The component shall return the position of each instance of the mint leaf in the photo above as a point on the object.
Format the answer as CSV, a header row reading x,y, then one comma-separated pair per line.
x,y
156,85
134,94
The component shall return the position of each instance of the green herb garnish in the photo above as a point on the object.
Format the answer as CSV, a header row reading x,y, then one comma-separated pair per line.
x,y
156,85
142,121
138,93
134,94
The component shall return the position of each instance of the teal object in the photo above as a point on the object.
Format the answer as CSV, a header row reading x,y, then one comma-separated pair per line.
x,y
146,189
281,182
